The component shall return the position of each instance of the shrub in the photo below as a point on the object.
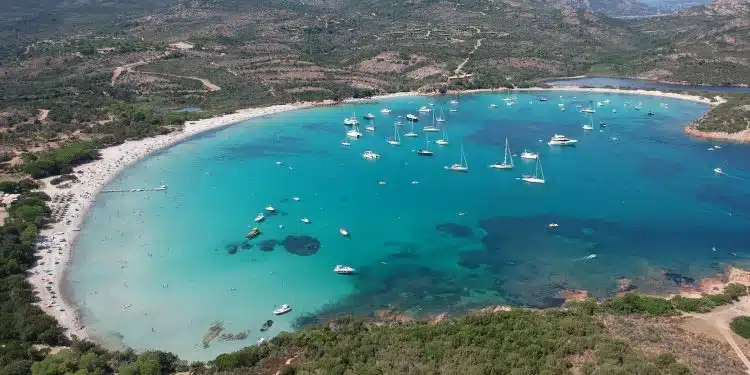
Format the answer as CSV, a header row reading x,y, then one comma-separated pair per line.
x,y
741,326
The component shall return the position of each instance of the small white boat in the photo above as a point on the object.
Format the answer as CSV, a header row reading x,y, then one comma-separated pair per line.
x,y
296,199
529,155
614,110
270,208
588,110
443,141
493,105
538,177
507,159
718,170
354,133
441,118
345,143
453,102
370,128
462,166
411,117
717,147
369,116
369,155
306,220
424,109
561,140
453,110
344,270
589,126
553,225
385,110
260,218
282,310
411,134
351,121
344,232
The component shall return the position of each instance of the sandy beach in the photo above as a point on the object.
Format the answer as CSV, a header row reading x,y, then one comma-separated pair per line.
x,y
72,204
56,243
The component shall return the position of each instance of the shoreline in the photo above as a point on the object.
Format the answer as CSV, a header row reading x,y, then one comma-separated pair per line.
x,y
54,249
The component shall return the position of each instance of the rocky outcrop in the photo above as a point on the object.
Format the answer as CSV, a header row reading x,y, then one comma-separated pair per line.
x,y
575,295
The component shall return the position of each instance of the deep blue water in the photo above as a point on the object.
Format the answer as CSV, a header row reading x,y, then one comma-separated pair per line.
x,y
640,84
153,270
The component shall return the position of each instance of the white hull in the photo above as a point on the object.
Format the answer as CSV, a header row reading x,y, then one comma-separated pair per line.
x,y
456,168
441,142
353,134
571,142
430,129
532,180
411,135
370,128
394,143
501,166
588,127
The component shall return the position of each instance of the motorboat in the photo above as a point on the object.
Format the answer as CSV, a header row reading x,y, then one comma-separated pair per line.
x,y
493,105
369,116
282,310
561,140
270,208
354,133
351,121
544,99
411,117
345,143
370,128
424,109
529,155
306,220
385,110
344,270
260,217
344,232
718,170
296,199
255,232
369,155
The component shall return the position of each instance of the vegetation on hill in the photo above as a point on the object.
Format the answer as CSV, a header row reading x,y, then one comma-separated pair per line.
x,y
730,117
741,326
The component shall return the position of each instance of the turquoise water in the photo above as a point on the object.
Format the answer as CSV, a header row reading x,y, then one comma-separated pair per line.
x,y
154,270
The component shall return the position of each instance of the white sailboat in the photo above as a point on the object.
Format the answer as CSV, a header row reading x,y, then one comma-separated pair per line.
x,y
441,118
426,150
431,128
354,133
529,155
590,125
396,140
351,121
411,134
538,177
443,141
507,159
462,166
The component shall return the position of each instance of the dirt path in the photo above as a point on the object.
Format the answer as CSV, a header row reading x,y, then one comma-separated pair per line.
x,y
206,83
117,72
461,66
719,320
43,113
288,362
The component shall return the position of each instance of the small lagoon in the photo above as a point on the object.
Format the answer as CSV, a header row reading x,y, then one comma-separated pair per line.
x,y
154,270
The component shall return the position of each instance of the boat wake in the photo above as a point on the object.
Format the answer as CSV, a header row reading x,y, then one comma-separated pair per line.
x,y
587,257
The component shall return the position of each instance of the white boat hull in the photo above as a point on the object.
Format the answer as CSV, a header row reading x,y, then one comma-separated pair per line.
x,y
455,168
532,180
441,142
501,166
430,129
411,135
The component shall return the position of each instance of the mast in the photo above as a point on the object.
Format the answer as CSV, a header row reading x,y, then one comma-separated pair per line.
x,y
539,170
464,162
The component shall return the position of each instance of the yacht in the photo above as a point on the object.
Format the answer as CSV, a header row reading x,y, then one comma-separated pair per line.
x,y
369,155
561,140
462,166
385,110
411,134
454,102
344,270
270,208
441,118
495,105
344,232
602,124
425,109
260,217
345,143
370,128
651,113
396,140
369,116
296,199
282,310
507,159
589,126
588,110
453,110
538,177
426,150
411,117
529,155
544,99
718,170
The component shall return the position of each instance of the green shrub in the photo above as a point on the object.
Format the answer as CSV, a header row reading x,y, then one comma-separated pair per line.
x,y
741,326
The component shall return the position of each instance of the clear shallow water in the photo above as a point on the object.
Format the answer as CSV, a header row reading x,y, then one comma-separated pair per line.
x,y
646,202
640,84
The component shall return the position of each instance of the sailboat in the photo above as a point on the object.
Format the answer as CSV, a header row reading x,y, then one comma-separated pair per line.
x,y
354,133
441,118
506,164
538,177
590,125
443,141
462,166
351,121
431,128
411,134
590,109
345,141
426,150
396,140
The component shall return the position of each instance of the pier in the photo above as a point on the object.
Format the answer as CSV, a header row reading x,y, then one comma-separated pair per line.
x,y
160,188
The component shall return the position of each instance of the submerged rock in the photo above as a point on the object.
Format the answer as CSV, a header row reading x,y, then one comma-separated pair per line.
x,y
301,245
455,230
234,336
213,332
268,245
266,325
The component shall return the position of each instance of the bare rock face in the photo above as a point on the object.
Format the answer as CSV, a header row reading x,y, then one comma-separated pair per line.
x,y
576,295
498,308
738,276
624,285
